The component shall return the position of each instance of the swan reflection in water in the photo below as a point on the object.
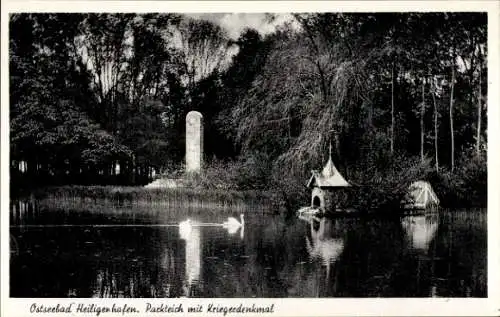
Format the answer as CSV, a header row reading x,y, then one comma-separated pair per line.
x,y
190,231
420,230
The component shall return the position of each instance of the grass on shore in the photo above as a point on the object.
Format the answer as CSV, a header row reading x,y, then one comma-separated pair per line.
x,y
170,198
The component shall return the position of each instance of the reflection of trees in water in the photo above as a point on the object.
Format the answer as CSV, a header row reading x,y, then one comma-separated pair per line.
x,y
47,264
375,261
105,284
367,258
447,255
259,265
229,266
23,211
460,269
370,263
343,257
149,268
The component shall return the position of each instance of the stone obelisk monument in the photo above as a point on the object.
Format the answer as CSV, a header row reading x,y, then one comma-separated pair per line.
x,y
194,142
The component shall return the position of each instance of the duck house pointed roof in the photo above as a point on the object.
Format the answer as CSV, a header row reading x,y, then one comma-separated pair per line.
x,y
329,176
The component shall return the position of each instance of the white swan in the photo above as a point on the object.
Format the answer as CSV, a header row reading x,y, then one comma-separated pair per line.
x,y
232,223
185,223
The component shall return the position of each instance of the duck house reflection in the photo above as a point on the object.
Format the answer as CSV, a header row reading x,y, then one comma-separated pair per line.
x,y
324,243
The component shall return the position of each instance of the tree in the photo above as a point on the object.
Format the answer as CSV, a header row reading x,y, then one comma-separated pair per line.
x,y
452,131
436,115
359,81
134,66
204,47
236,82
422,126
82,77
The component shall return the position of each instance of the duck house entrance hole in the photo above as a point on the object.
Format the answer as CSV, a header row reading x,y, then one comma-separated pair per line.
x,y
316,201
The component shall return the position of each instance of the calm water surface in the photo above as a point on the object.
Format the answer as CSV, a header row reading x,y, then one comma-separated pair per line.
x,y
56,254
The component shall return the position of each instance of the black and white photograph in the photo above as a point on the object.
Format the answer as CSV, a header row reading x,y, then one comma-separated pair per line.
x,y
247,155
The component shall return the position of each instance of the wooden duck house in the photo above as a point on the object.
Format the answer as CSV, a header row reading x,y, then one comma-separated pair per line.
x,y
324,184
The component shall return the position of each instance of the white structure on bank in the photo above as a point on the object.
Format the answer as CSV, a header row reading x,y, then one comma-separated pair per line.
x,y
421,196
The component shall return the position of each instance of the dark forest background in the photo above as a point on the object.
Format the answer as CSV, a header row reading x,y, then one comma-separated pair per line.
x,y
398,95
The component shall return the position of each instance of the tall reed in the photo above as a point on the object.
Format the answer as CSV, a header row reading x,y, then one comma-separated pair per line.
x,y
140,198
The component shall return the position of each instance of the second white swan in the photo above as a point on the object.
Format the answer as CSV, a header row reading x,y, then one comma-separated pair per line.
x,y
234,223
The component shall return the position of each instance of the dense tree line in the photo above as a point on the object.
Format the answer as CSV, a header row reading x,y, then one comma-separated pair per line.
x,y
392,92
90,92
388,82
94,93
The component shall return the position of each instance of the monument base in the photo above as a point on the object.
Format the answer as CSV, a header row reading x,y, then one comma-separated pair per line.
x,y
166,183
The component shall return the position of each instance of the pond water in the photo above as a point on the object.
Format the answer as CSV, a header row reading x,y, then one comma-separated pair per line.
x,y
81,254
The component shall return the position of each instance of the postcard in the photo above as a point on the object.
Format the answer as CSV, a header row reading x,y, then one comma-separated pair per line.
x,y
270,158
